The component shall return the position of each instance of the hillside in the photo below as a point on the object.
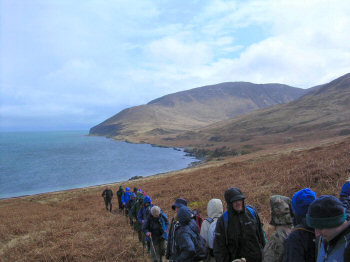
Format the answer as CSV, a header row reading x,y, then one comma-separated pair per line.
x,y
192,109
320,114
74,226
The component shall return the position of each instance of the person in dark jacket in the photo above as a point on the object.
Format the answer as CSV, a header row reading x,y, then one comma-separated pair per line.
x,y
300,243
143,214
239,233
344,196
130,204
107,194
185,233
170,251
327,216
120,193
133,216
155,228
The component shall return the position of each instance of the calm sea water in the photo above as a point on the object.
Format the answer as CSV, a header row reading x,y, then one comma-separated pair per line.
x,y
38,162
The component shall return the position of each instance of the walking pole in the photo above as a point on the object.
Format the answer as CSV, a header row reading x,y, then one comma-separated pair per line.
x,y
153,249
143,244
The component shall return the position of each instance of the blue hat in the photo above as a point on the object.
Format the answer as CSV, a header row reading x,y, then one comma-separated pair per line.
x,y
325,212
180,202
301,201
345,190
127,189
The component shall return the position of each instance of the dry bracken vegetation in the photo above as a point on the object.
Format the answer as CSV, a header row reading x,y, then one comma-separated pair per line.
x,y
74,226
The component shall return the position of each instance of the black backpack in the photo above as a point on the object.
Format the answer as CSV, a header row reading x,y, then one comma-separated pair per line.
x,y
200,246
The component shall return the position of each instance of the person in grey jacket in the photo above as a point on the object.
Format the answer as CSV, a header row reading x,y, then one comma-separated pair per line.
x,y
214,210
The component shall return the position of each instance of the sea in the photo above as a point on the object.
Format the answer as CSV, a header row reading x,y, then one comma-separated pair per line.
x,y
39,162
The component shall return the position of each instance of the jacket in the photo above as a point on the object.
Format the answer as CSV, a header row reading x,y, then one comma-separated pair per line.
x,y
144,211
299,246
120,193
125,197
244,236
107,193
135,210
185,232
157,226
334,250
214,211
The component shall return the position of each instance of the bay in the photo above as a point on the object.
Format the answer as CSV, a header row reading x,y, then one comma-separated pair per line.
x,y
39,162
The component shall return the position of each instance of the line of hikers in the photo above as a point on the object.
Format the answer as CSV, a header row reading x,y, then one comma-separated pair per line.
x,y
307,228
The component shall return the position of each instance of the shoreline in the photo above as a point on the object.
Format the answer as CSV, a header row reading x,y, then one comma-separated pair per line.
x,y
115,183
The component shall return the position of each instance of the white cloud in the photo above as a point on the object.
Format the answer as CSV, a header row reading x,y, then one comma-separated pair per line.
x,y
93,58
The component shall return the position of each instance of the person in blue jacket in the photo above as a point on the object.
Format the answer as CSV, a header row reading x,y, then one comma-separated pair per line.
x,y
155,228
327,216
344,196
299,246
185,233
125,198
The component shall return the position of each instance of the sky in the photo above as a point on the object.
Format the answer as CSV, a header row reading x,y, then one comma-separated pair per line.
x,y
69,65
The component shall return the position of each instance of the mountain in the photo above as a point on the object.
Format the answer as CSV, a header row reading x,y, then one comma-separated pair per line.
x,y
193,109
323,113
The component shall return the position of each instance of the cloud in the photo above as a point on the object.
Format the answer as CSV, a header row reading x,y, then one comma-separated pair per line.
x,y
91,59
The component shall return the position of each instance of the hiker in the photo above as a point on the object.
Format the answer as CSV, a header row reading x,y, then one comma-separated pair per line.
x,y
120,193
186,237
282,220
155,228
239,233
135,190
133,216
300,243
129,205
344,196
214,211
170,250
327,216
143,214
107,195
125,199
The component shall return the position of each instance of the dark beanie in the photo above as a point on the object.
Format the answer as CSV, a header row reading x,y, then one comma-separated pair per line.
x,y
325,212
345,190
179,202
301,201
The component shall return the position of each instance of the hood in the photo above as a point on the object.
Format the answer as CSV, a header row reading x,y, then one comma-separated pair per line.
x,y
147,199
281,210
140,197
184,215
214,208
301,201
345,190
233,194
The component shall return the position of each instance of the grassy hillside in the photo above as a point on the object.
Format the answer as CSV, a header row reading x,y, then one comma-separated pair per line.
x,y
73,225
189,110
323,113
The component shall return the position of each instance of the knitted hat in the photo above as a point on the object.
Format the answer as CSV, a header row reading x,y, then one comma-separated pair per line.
x,y
325,212
301,201
179,203
345,190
